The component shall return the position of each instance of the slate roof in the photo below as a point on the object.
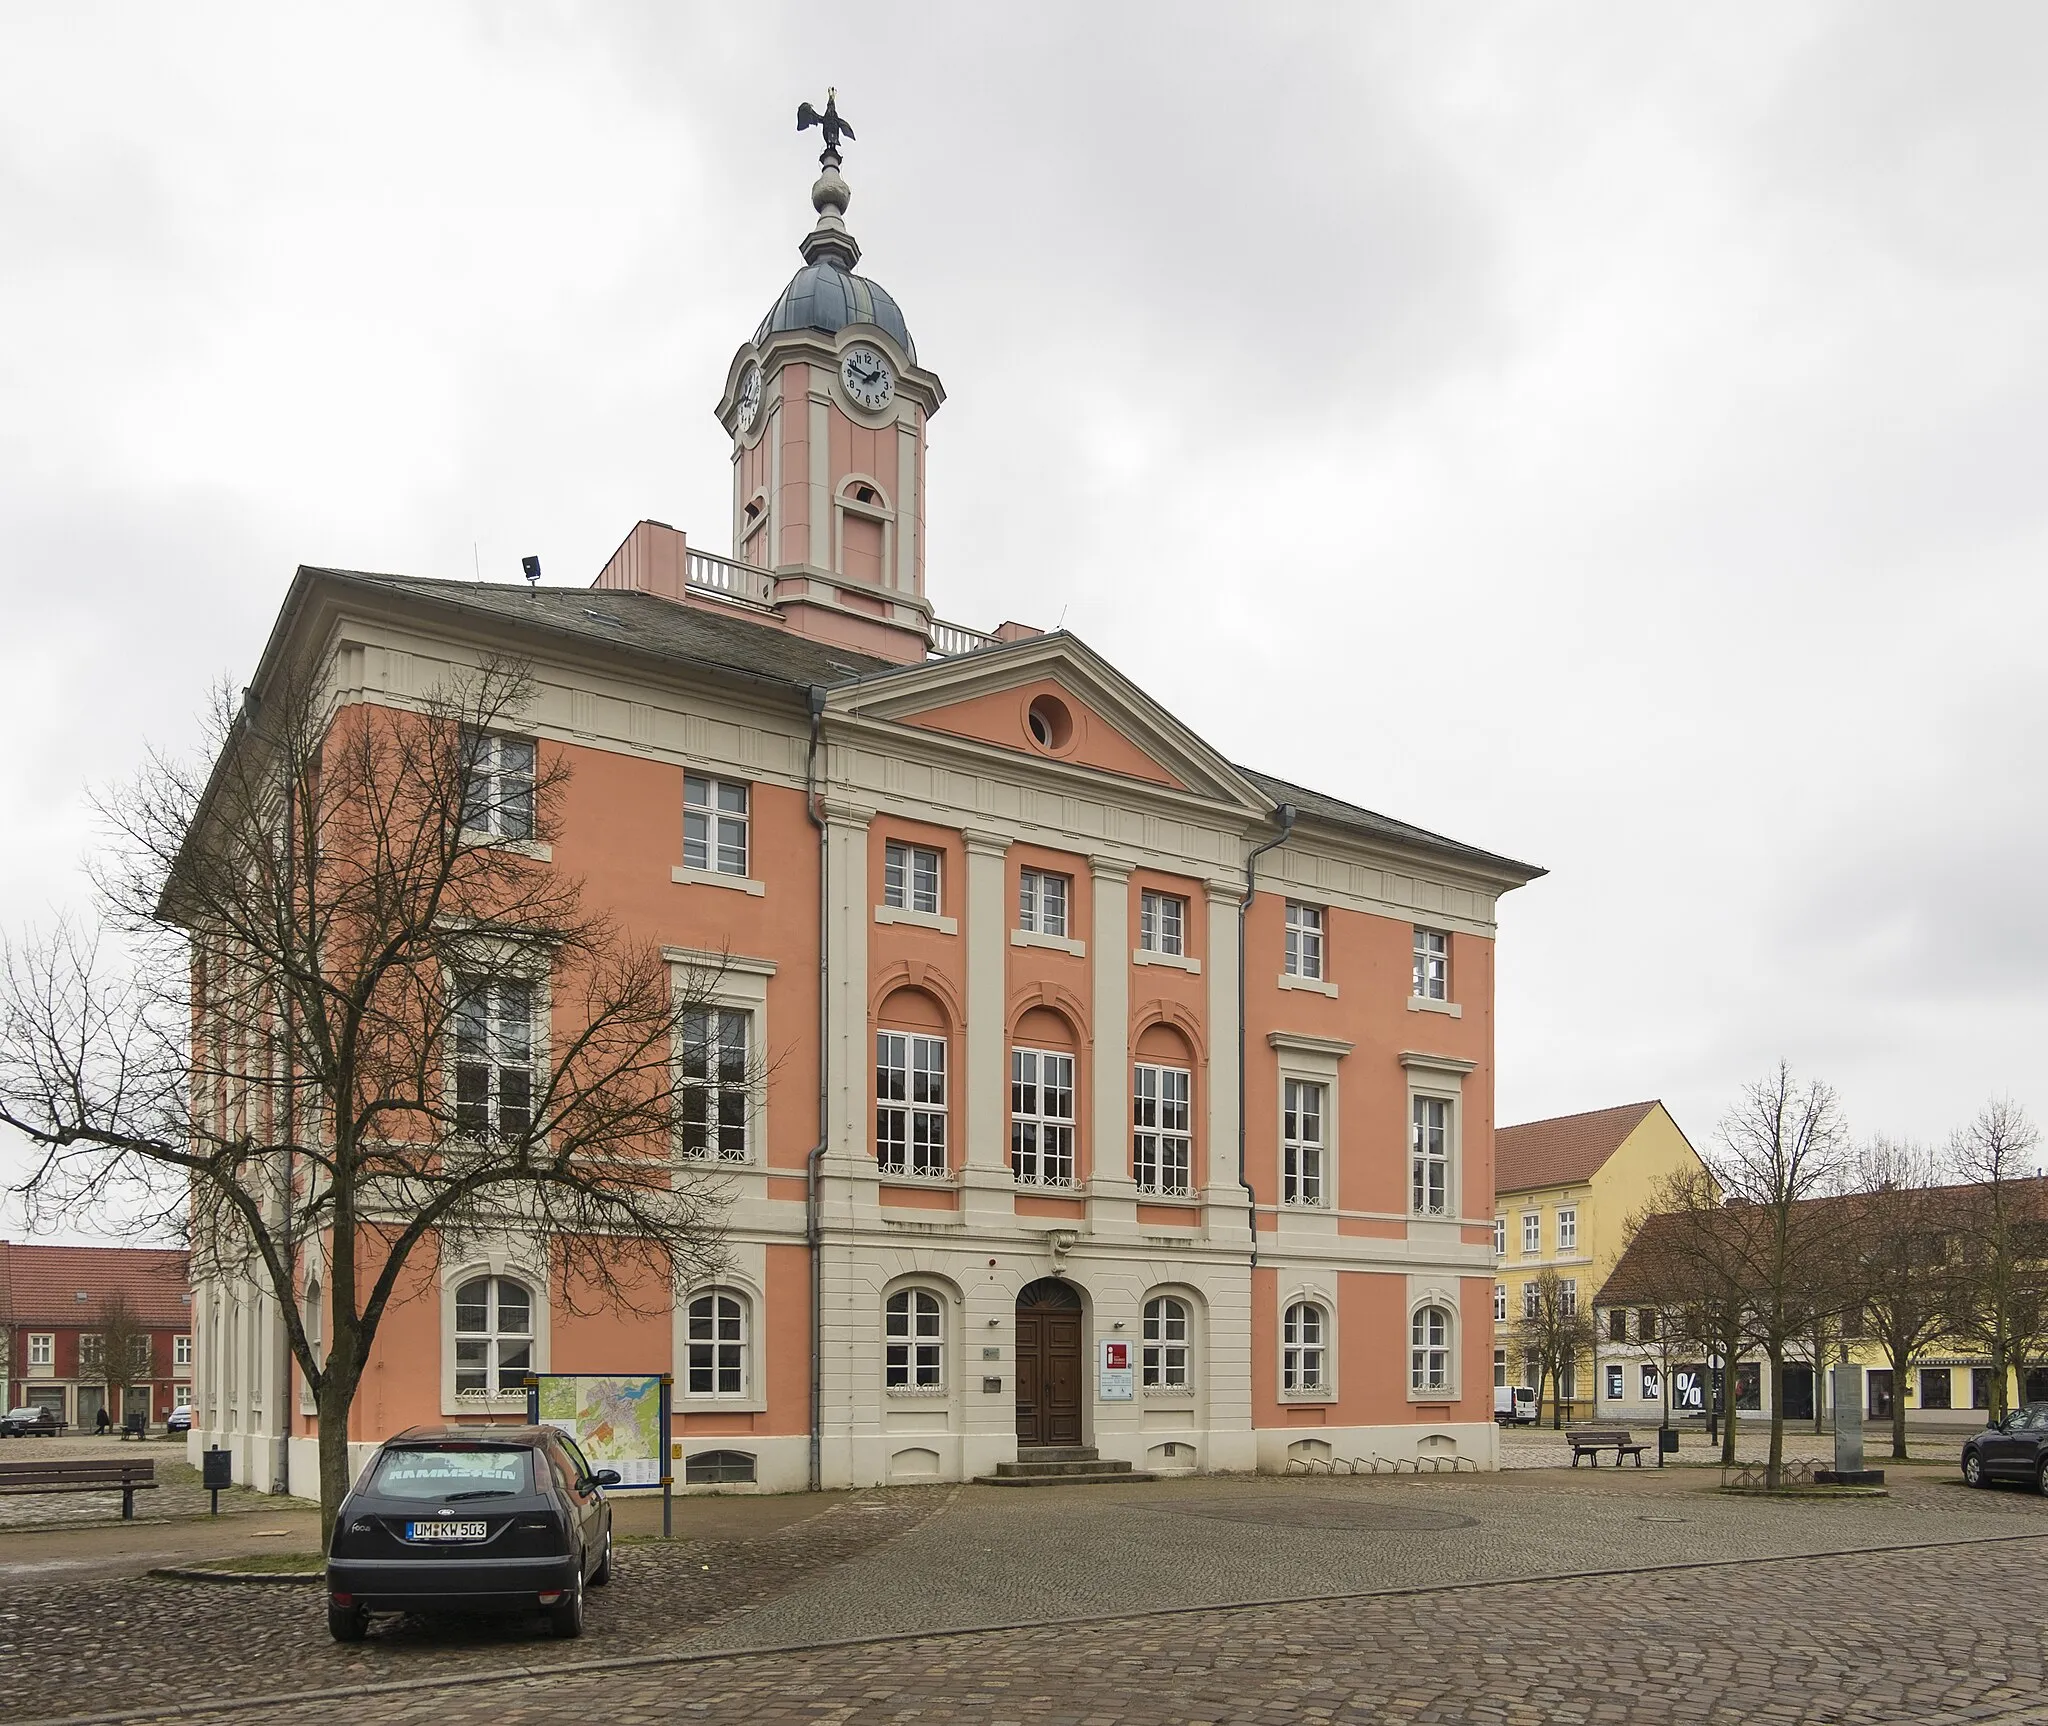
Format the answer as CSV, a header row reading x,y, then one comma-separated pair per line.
x,y
1561,1150
40,1285
825,296
627,621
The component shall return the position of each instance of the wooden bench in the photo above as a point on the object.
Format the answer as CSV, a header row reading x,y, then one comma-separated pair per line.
x,y
1591,1443
126,1478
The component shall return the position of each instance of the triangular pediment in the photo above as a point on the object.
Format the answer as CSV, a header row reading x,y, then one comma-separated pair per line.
x,y
1100,721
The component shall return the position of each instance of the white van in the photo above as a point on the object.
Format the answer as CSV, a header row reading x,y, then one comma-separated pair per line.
x,y
1514,1405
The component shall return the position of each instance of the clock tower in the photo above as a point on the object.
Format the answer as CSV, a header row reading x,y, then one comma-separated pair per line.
x,y
827,409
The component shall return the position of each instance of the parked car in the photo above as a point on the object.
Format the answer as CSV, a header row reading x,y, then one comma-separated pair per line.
x,y
30,1421
2015,1448
1514,1405
179,1419
468,1519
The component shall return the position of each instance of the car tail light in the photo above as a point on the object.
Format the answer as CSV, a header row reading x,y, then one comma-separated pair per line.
x,y
344,1599
548,1596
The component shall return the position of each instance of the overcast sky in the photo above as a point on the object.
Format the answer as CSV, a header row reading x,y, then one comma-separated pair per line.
x,y
1612,435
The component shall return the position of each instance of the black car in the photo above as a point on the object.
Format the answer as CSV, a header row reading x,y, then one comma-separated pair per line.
x,y
31,1421
471,1519
2015,1448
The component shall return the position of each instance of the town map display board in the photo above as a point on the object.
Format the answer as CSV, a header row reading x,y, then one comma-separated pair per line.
x,y
618,1420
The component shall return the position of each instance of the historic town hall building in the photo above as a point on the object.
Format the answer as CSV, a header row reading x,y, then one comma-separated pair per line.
x,y
1122,1050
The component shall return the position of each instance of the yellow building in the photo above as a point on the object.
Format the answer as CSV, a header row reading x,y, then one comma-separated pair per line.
x,y
1565,1191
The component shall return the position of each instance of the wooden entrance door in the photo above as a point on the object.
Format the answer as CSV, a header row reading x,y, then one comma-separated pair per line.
x,y
1048,1364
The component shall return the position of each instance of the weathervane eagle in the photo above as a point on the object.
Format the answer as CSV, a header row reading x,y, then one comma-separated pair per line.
x,y
833,127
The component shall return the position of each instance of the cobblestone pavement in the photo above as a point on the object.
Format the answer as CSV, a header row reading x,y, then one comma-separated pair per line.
x,y
1545,1447
177,1493
1832,1640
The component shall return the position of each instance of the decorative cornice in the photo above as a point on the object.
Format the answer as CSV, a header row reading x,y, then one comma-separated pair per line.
x,y
1307,1045
1416,1061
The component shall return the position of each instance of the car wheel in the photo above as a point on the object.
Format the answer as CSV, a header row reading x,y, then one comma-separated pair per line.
x,y
347,1623
566,1620
603,1573
1973,1470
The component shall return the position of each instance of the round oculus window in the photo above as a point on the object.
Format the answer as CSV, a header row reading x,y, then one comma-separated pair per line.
x,y
1050,724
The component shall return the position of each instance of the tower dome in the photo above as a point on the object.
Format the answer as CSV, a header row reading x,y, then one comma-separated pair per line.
x,y
827,296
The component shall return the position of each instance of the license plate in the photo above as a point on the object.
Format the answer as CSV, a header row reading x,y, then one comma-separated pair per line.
x,y
445,1530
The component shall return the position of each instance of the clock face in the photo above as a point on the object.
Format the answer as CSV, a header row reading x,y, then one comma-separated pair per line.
x,y
867,377
750,397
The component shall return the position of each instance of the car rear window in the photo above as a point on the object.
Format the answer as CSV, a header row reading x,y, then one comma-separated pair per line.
x,y
447,1471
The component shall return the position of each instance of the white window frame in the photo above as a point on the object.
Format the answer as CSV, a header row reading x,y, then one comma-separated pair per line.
x,y
717,839
1532,1297
499,1257
718,1343
1431,979
912,1140
1532,1234
1162,1130
42,1349
1500,1237
1304,1155
1567,1297
92,1353
1304,954
725,1132
181,1353
494,1043
914,1342
494,1338
1166,1349
1306,1340
1432,1155
1162,923
1615,1384
1567,1228
913,877
1500,1303
1433,1352
1045,902
498,774
1042,1118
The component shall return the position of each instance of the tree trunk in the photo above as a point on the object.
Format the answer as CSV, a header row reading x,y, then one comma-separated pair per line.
x,y
336,1477
1899,1370
1775,1465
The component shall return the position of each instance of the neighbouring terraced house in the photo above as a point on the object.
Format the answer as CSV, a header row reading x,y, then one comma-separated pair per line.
x,y
1093,1080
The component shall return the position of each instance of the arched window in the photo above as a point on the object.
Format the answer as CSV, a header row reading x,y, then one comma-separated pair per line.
x,y
1304,1346
910,1104
1166,1342
717,1345
493,1337
914,1334
1429,1349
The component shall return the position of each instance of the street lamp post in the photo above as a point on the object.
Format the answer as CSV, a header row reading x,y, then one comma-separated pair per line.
x,y
1713,1399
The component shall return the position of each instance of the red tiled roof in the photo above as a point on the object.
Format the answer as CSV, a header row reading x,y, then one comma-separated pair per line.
x,y
1561,1150
41,1285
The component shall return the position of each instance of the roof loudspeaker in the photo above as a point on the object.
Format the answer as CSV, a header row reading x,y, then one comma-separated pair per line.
x,y
531,565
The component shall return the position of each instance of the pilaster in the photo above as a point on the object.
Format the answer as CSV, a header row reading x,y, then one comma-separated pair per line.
x,y
847,1055
1224,1200
1112,1195
987,1162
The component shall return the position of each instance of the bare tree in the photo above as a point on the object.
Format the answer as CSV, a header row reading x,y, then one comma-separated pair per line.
x,y
1696,1267
124,1341
1781,1149
1554,1331
1895,1266
357,1016
1995,1297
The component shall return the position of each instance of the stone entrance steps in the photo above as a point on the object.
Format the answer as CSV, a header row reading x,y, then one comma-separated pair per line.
x,y
1061,1465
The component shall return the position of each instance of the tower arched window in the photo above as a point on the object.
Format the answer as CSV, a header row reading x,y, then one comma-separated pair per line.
x,y
716,1346
1429,1349
493,1337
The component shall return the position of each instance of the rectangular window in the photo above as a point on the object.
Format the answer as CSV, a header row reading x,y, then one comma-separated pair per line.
x,y
1567,1229
494,1059
1646,1323
1301,1144
1430,1158
497,786
1531,1300
1980,1383
1567,1297
1617,1324
1304,940
1653,1385
1162,1148
910,1104
1041,1118
1614,1384
914,1341
181,1353
1532,1232
1500,1237
1042,903
1432,965
1934,1387
714,825
712,1101
1162,923
1500,1367
92,1353
42,1350
910,877
1500,1303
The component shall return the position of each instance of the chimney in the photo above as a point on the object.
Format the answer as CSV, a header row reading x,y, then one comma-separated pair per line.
x,y
653,558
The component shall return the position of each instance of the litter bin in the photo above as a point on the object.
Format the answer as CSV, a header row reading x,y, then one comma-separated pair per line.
x,y
1667,1443
216,1473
